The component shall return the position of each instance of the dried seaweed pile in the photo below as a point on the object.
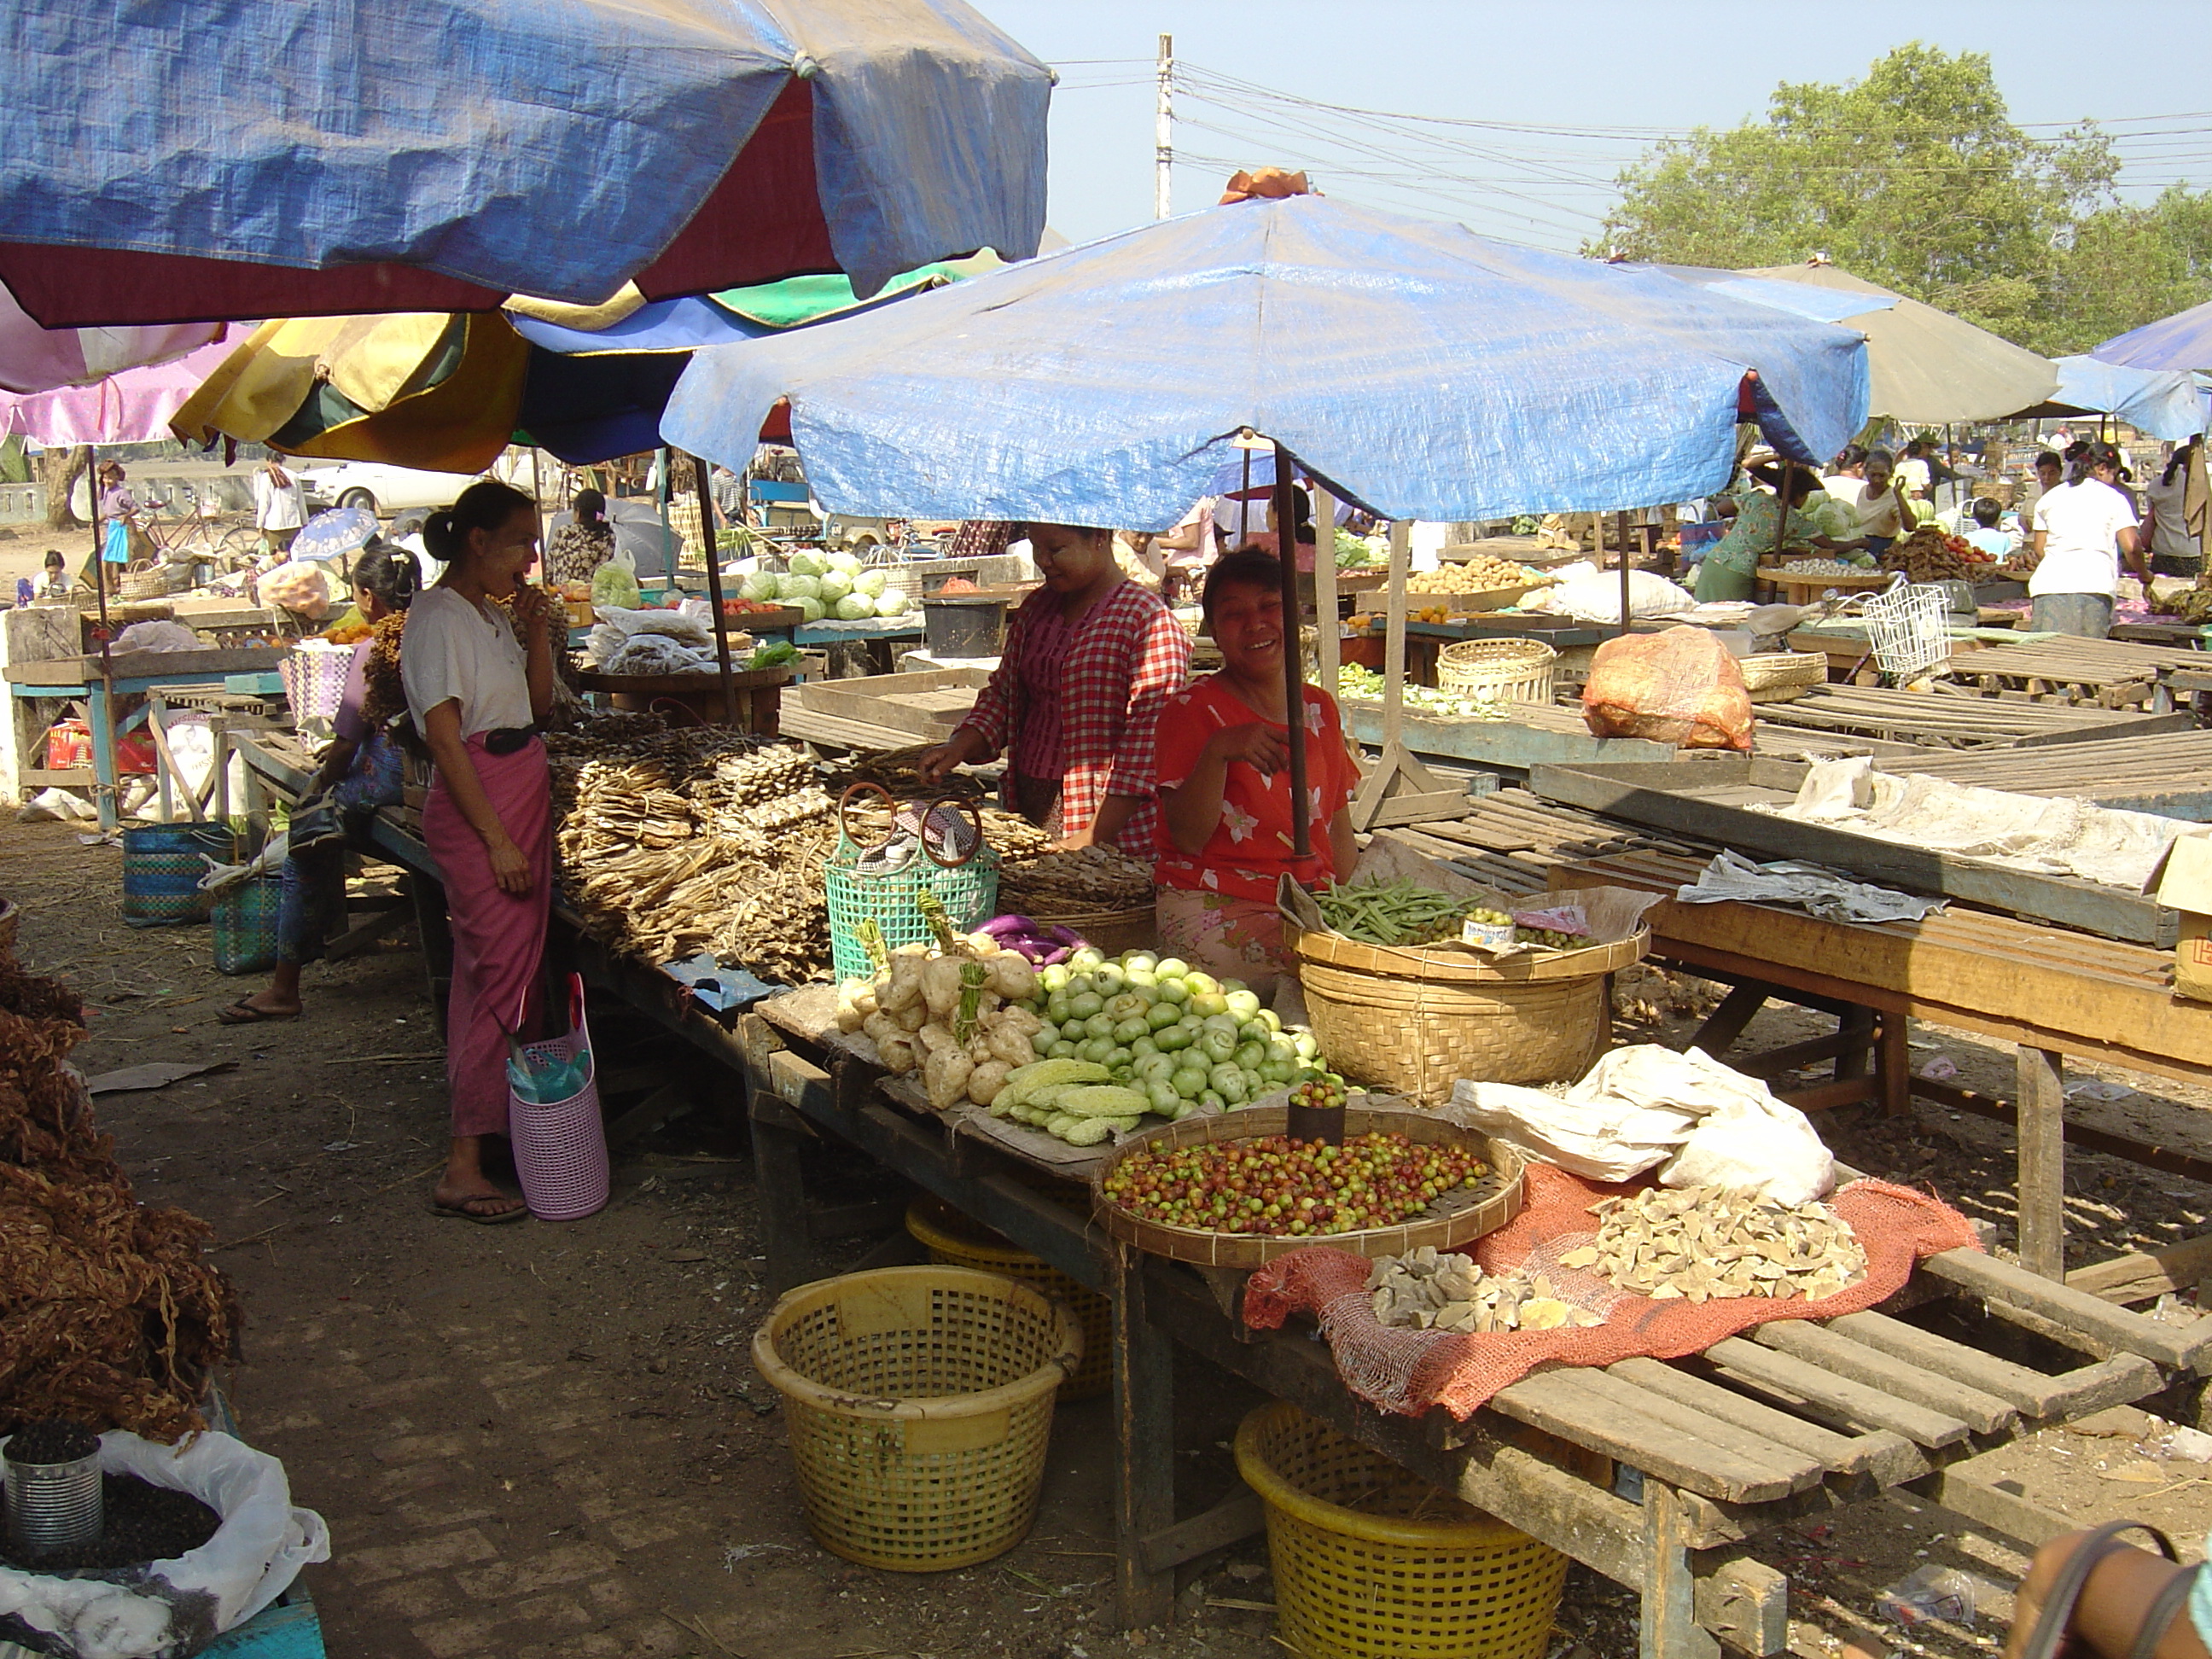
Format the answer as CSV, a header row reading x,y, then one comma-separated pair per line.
x,y
673,842
109,1315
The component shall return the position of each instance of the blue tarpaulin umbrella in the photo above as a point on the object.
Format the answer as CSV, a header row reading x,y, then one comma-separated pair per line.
x,y
2181,341
1421,370
175,159
2165,403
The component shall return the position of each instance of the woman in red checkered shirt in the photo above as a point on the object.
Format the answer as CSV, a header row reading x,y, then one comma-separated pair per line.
x,y
1089,660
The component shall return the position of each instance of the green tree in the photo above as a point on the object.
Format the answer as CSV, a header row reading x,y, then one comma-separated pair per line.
x,y
2124,266
1914,176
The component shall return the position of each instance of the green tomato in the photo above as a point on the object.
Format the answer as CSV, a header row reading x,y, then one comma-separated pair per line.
x,y
1163,1099
1307,1044
1097,1049
1061,1048
1228,1082
1087,959
1079,983
1209,1003
1218,1046
1108,978
1188,1081
1171,968
1243,1003
1277,1072
1126,1031
1251,1056
1172,990
1143,1046
1140,962
1083,1004
1060,1010
1202,984
1281,1051
1255,1084
1117,1062
1252,1031
1127,1006
1161,1015
1139,979
1100,1025
1053,978
1271,1019
1172,1038
1211,1100
1073,1031
1155,1067
1222,1023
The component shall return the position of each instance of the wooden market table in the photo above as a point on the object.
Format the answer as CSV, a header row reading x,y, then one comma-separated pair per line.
x,y
1791,1419
1803,587
1938,719
2113,672
2053,993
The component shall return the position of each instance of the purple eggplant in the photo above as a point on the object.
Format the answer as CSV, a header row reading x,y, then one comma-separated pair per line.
x,y
1002,927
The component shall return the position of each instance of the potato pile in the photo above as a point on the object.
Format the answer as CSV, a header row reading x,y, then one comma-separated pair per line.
x,y
1483,573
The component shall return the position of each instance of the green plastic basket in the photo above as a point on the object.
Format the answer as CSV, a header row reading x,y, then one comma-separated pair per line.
x,y
244,922
969,891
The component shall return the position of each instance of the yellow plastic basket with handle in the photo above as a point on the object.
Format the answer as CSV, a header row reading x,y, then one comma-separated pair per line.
x,y
960,1241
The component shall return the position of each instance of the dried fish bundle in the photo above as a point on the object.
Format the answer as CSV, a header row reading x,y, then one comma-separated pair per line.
x,y
1429,1290
1705,1244
1076,882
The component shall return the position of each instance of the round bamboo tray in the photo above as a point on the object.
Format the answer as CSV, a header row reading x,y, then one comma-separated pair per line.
x,y
1510,670
1775,670
1416,1021
1456,1219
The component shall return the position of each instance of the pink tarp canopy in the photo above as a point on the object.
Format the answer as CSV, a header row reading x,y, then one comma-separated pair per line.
x,y
130,407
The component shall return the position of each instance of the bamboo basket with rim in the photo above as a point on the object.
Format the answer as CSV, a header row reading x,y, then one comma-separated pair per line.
x,y
1455,1219
1505,671
1135,929
1415,1021
1771,676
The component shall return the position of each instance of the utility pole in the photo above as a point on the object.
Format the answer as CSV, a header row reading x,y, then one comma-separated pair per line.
x,y
1163,132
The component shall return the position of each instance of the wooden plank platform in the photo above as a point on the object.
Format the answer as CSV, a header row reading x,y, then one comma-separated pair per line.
x,y
2169,773
1555,734
2113,672
1938,721
1710,797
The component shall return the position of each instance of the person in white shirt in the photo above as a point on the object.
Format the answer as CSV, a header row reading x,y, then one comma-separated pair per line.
x,y
2083,528
279,505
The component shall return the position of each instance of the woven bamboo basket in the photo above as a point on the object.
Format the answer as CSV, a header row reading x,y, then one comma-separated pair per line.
x,y
1774,676
1371,1562
1505,671
960,1241
1416,1021
919,1403
1456,1219
1137,928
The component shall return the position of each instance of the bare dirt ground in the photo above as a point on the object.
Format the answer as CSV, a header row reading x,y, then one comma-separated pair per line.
x,y
541,1439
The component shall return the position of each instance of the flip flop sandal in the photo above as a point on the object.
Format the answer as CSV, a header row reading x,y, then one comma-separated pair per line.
x,y
243,1012
461,1212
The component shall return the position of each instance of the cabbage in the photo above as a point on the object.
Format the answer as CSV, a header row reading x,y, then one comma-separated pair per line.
x,y
796,586
847,562
803,563
870,582
892,603
812,610
855,607
761,585
832,585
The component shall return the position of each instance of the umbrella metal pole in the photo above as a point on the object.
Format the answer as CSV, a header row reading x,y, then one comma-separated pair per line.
x,y
715,592
1294,679
104,791
1329,648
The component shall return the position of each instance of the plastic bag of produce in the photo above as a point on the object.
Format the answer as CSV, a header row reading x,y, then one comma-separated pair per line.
x,y
1596,597
1677,687
302,588
614,584
167,1609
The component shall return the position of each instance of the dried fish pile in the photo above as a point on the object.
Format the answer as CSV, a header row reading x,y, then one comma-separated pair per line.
x,y
1429,1289
1082,882
1703,1245
673,842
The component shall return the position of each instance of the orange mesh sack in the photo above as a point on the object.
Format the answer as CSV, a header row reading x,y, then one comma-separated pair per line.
x,y
1680,686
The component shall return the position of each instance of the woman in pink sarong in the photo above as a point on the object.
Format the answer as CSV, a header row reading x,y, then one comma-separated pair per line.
x,y
476,691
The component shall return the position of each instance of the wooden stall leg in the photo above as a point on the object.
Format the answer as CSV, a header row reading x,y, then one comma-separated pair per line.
x,y
1726,1023
2042,1161
1858,1025
1895,1064
778,1134
1144,1434
436,930
1668,1627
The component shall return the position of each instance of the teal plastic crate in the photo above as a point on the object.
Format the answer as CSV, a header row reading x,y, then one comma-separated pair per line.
x,y
267,684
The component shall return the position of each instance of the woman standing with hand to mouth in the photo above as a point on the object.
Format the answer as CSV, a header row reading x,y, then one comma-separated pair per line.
x,y
1225,786
1089,660
476,692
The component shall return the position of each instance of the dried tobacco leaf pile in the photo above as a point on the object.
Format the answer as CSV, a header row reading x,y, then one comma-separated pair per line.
x,y
109,1315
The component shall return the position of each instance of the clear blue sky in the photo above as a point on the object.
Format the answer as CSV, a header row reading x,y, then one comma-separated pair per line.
x,y
1587,65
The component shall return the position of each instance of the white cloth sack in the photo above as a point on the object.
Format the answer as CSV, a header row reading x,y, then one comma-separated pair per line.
x,y
169,1608
1596,597
1645,1106
157,636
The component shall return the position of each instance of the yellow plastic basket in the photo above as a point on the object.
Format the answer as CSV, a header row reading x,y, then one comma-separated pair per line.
x,y
919,1404
1372,1563
959,1240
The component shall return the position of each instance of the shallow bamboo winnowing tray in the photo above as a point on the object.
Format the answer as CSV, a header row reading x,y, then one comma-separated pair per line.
x,y
1458,1217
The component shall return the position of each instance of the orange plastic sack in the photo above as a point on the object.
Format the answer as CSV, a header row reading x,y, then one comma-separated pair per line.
x,y
1680,686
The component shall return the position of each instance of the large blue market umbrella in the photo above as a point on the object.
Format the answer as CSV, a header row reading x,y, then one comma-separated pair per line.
x,y
1422,371
182,160
2165,403
2182,341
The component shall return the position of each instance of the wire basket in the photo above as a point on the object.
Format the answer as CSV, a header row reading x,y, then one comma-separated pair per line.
x,y
919,1402
1910,630
949,858
1503,670
1371,1562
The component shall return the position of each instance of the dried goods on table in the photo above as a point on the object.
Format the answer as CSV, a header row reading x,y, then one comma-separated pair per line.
x,y
109,1315
1484,573
1702,1244
1076,881
1929,555
1431,1290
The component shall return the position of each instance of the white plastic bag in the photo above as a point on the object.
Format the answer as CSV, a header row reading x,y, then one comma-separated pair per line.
x,y
1644,1106
614,584
168,1609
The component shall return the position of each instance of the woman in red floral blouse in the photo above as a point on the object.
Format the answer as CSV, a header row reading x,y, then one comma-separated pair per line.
x,y
1225,782
1089,660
